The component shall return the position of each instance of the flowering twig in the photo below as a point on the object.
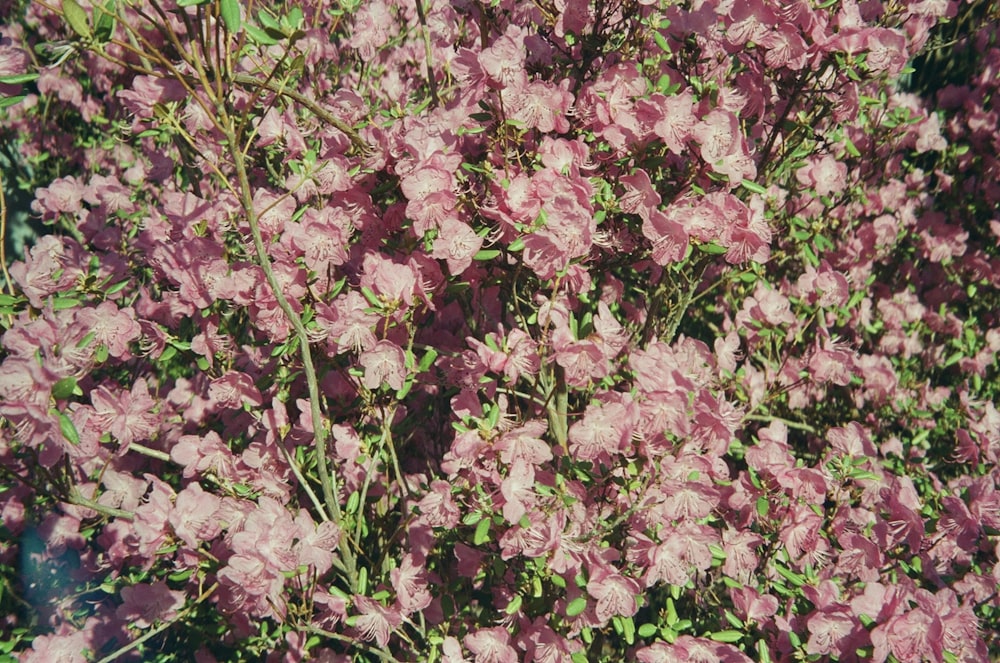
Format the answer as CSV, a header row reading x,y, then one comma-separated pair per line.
x,y
121,651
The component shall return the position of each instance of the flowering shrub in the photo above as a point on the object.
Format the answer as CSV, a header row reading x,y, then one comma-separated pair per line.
x,y
589,331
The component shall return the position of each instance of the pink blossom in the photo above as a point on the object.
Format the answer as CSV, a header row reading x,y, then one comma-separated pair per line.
x,y
375,621
410,583
457,244
503,61
384,364
130,416
491,645
824,174
616,594
911,637
145,604
194,516
833,631
233,390
518,491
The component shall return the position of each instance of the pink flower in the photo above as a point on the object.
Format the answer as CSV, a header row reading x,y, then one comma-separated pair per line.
x,y
457,244
384,364
204,455
491,645
518,491
233,390
194,516
63,196
833,631
670,239
616,594
824,174
144,605
503,61
409,581
911,637
129,416
376,622
676,121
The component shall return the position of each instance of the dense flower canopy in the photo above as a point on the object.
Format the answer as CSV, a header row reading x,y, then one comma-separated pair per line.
x,y
587,330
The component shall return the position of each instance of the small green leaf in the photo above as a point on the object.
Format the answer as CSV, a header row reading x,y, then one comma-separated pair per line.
x,y
647,630
230,11
726,636
762,506
104,21
661,41
482,534
77,18
363,580
427,360
713,249
191,3
486,254
576,606
68,429
17,79
61,303
64,388
516,245
472,518
753,187
514,605
10,101
259,35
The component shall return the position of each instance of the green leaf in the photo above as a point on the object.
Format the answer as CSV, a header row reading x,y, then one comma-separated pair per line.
x,y
10,101
661,41
516,245
363,580
514,605
472,518
259,35
61,303
647,630
191,3
230,11
427,360
486,254
77,18
17,79
68,429
712,249
796,579
64,388
726,636
576,606
482,534
104,21
753,187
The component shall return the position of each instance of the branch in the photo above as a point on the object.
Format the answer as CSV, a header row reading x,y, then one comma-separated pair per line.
x,y
317,110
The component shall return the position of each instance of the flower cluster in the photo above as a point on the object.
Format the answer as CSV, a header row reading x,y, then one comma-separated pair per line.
x,y
541,331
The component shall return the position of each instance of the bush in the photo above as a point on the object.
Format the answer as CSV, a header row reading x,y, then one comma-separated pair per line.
x,y
590,331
